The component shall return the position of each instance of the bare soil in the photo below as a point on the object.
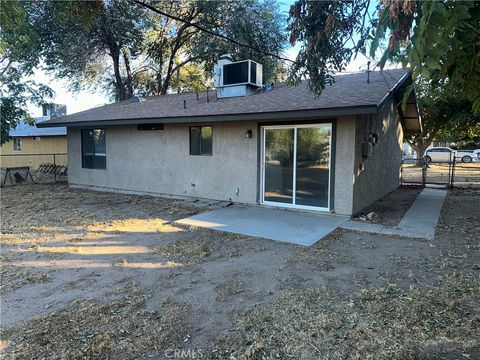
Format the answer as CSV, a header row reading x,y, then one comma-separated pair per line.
x,y
88,275
391,208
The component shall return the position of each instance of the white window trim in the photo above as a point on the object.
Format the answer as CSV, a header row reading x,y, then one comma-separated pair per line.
x,y
17,148
262,170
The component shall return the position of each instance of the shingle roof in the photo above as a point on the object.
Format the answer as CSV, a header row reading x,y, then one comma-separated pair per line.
x,y
25,130
349,90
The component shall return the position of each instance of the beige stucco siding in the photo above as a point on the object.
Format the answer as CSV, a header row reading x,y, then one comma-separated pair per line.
x,y
158,162
380,173
46,145
344,165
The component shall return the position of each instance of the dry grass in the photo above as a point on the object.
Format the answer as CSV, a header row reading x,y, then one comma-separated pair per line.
x,y
387,322
320,256
136,225
203,244
87,330
230,288
84,208
12,278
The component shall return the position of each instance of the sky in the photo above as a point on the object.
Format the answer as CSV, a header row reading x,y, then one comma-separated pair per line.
x,y
84,100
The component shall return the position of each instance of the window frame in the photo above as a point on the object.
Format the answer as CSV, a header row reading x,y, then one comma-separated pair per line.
x,y
15,144
200,140
94,152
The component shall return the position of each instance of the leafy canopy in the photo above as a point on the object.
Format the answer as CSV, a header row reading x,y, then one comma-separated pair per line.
x,y
19,55
438,40
126,49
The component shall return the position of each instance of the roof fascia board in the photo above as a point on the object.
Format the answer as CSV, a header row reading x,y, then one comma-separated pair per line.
x,y
284,115
399,83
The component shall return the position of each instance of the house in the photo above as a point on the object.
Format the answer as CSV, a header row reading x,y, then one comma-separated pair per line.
x,y
245,142
32,146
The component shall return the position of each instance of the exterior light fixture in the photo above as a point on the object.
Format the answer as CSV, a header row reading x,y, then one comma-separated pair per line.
x,y
248,134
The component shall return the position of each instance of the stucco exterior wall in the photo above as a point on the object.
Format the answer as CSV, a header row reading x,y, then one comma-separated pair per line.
x,y
344,165
46,145
158,162
380,173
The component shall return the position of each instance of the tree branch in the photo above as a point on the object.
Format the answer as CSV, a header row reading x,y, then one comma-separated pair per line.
x,y
201,28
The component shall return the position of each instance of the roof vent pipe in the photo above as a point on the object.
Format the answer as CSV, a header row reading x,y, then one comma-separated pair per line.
x,y
368,72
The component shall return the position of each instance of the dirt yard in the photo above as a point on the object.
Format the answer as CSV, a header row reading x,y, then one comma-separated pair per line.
x,y
87,275
390,210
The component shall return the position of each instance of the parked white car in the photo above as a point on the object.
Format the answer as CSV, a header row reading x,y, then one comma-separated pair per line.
x,y
468,156
446,154
439,154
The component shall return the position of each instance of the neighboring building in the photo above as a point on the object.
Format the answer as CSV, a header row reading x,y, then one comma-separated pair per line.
x,y
273,145
34,146
408,152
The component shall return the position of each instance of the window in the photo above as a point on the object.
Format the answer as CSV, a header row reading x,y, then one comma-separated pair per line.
x,y
201,140
17,144
93,149
36,138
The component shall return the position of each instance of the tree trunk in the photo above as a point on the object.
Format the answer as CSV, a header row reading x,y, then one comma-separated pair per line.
x,y
129,84
168,75
420,146
118,77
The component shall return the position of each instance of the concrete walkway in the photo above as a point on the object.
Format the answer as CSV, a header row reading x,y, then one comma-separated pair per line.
x,y
420,221
270,223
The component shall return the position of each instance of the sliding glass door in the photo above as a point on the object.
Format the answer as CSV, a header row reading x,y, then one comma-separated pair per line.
x,y
296,166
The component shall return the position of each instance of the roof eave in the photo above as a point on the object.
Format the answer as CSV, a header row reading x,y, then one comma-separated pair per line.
x,y
404,81
35,135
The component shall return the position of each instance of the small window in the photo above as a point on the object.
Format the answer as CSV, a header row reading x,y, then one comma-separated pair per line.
x,y
94,149
36,138
201,140
17,144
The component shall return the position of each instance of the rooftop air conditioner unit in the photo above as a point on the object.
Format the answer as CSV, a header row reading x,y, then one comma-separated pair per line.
x,y
247,72
240,78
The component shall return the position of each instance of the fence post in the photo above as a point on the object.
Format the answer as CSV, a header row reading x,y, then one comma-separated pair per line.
x,y
401,173
54,168
452,177
424,172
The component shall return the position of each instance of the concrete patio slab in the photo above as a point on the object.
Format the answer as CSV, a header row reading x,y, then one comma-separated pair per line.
x,y
420,220
283,225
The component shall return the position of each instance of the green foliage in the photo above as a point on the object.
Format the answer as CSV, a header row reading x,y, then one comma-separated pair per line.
x,y
437,40
126,49
91,43
254,22
19,55
446,116
325,31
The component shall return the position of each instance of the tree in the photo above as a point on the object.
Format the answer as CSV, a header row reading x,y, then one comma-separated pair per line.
x,y
256,23
127,49
438,40
325,30
19,54
444,114
166,46
78,38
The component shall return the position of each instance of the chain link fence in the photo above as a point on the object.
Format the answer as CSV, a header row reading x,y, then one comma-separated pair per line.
x,y
452,173
40,168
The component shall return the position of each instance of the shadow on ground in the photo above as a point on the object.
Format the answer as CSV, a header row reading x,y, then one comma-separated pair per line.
x,y
98,275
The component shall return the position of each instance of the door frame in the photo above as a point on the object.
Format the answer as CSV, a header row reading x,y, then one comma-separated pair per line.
x,y
294,185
